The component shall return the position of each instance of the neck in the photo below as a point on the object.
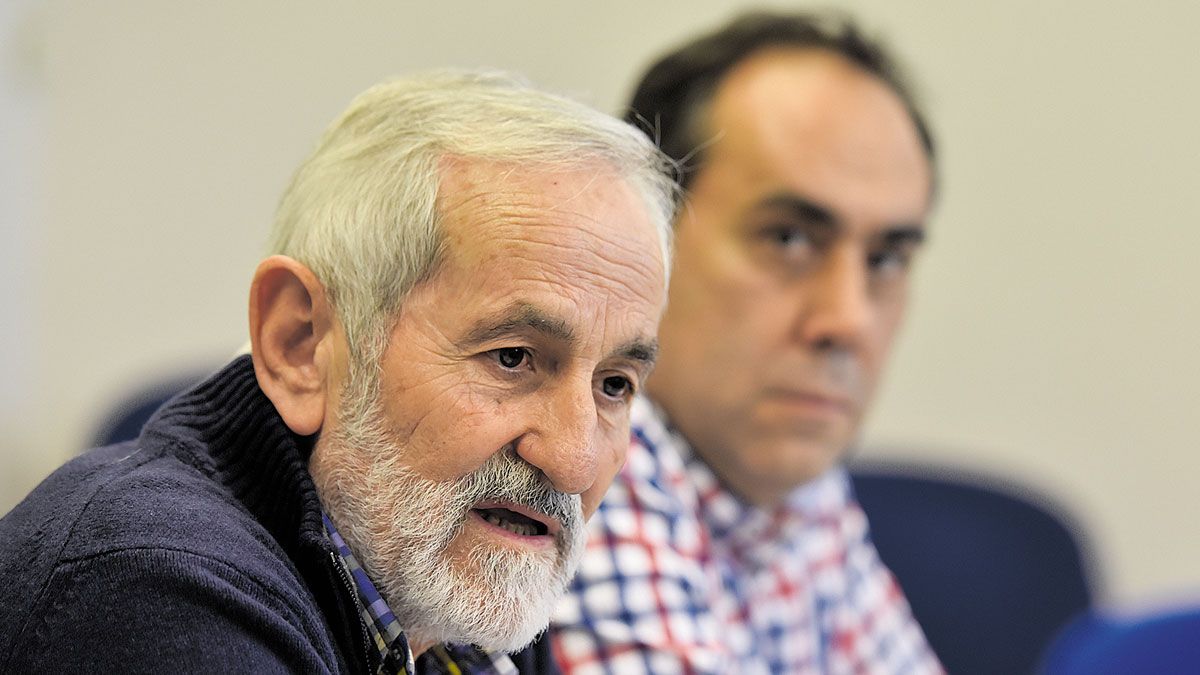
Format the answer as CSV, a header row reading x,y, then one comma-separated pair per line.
x,y
418,645
758,494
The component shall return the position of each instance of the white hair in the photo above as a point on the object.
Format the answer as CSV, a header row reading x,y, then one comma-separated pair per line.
x,y
361,211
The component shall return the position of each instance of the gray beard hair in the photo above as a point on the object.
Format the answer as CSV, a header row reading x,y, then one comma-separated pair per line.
x,y
400,525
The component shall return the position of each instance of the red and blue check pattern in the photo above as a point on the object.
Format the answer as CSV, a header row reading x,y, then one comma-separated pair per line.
x,y
680,576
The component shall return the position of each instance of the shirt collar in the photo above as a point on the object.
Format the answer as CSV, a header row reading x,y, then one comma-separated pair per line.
x,y
751,534
395,656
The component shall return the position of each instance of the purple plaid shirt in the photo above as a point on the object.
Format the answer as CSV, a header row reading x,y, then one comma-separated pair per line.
x,y
680,576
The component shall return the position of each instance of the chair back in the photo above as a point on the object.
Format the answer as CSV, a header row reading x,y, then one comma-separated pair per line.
x,y
992,572
125,420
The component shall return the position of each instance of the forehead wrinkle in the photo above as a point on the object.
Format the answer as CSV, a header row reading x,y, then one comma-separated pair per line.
x,y
505,189
608,261
521,213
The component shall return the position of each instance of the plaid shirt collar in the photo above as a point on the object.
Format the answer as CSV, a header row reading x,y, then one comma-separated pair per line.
x,y
681,576
394,654
752,535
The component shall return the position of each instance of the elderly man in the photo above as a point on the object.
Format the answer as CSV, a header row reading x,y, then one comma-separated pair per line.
x,y
468,280
731,543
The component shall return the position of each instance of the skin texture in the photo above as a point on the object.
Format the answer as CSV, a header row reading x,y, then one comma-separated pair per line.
x,y
565,252
531,338
791,268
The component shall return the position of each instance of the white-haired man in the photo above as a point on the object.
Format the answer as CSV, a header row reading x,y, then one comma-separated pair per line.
x,y
467,280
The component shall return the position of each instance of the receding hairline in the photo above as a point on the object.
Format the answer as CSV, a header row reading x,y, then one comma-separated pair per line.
x,y
670,97
725,99
825,63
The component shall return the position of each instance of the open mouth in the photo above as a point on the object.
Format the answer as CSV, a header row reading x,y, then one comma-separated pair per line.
x,y
512,521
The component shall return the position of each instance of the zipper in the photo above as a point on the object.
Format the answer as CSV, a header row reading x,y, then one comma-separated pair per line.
x,y
348,586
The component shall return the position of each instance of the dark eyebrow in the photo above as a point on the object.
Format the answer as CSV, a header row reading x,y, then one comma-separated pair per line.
x,y
823,218
516,318
644,352
524,316
904,234
819,222
798,206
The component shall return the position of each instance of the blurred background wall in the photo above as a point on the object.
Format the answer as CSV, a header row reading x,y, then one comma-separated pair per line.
x,y
1052,340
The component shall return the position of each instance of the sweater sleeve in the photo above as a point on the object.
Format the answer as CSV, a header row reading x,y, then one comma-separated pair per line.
x,y
156,610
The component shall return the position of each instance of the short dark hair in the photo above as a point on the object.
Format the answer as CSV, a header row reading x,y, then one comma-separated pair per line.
x,y
675,91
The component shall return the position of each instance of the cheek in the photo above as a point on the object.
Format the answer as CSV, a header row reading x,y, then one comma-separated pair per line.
x,y
890,315
611,459
453,434
723,289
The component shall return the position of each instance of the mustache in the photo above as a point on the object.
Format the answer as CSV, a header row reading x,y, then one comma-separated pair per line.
x,y
507,477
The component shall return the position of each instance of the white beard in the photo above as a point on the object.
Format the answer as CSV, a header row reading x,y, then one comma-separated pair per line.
x,y
400,526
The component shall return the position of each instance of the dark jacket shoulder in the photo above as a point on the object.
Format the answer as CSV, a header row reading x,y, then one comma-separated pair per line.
x,y
125,542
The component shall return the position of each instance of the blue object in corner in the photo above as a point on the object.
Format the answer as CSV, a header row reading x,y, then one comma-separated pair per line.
x,y
992,572
1166,642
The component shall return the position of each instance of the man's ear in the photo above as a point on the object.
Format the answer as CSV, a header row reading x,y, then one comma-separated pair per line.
x,y
295,342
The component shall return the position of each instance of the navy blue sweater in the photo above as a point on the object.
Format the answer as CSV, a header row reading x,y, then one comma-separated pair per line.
x,y
197,548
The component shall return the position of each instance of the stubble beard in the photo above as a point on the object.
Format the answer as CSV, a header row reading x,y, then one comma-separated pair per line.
x,y
401,526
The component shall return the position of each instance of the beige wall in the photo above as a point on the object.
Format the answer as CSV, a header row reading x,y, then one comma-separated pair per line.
x,y
1053,334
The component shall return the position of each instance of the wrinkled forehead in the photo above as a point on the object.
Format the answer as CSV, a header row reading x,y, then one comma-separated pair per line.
x,y
580,227
586,208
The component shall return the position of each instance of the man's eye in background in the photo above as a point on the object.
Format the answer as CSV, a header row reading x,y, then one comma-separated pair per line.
x,y
890,261
788,237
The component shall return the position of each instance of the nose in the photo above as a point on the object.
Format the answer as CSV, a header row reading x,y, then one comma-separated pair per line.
x,y
561,440
836,311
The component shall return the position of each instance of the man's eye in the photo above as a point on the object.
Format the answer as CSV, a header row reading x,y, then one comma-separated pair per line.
x,y
789,245
618,387
512,357
788,237
890,261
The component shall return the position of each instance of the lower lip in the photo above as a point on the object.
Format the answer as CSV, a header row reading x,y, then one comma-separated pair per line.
x,y
535,540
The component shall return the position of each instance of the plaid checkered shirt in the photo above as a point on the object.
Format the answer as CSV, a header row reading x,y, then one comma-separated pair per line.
x,y
680,576
395,656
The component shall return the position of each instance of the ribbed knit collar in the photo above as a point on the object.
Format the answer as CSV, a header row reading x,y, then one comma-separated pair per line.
x,y
228,428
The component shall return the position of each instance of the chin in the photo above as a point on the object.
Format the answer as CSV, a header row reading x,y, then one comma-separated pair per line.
x,y
518,640
790,465
488,594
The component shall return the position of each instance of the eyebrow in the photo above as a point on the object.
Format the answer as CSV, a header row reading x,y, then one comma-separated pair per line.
x,y
518,318
523,316
827,223
913,235
642,352
819,222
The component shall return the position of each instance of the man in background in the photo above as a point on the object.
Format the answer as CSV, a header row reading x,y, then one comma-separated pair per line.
x,y
730,542
467,280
